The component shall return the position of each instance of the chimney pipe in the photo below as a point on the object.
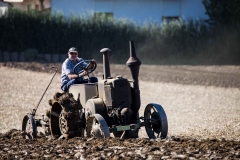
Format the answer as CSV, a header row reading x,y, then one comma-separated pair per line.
x,y
106,66
134,63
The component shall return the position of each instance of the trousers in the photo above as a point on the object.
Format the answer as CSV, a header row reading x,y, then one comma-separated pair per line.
x,y
66,86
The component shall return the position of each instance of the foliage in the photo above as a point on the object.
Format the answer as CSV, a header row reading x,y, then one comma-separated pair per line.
x,y
154,42
222,12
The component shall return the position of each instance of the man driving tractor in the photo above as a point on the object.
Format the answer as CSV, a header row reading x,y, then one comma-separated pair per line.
x,y
68,77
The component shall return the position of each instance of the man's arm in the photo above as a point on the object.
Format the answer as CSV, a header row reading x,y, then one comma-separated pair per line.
x,y
74,76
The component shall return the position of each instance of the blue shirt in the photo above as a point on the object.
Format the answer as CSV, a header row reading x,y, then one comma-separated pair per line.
x,y
67,67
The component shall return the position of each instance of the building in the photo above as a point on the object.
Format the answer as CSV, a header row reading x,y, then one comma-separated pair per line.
x,y
136,10
26,5
3,7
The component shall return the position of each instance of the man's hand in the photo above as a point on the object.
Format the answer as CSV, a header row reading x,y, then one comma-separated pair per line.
x,y
94,61
84,73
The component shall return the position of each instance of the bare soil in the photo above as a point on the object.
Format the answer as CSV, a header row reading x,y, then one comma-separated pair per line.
x,y
220,76
202,104
13,147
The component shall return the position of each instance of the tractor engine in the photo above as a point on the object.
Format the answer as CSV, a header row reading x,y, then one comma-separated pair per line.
x,y
116,95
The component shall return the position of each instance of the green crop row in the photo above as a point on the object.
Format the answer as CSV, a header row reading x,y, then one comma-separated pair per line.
x,y
55,33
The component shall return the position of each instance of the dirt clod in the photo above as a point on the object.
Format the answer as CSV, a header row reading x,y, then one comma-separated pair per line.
x,y
114,148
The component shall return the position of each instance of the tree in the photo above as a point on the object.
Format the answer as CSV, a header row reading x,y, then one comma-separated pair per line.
x,y
222,12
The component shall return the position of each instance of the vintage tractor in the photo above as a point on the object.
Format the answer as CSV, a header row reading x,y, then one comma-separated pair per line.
x,y
107,108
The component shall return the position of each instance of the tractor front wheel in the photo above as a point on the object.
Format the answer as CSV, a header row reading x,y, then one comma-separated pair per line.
x,y
97,127
156,121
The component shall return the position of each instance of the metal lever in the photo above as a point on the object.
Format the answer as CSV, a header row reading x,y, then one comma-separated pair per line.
x,y
55,71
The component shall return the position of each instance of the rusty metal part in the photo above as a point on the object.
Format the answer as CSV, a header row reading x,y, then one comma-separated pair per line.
x,y
97,127
156,121
29,128
63,123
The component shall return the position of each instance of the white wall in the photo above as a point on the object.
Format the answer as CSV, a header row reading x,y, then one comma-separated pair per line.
x,y
24,5
3,8
137,10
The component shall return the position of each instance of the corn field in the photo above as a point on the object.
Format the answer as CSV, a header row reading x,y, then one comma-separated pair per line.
x,y
181,42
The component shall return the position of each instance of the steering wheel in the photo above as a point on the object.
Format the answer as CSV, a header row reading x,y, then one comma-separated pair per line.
x,y
91,66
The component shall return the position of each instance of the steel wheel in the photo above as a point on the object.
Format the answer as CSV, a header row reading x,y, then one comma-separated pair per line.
x,y
86,68
29,129
97,127
63,123
157,125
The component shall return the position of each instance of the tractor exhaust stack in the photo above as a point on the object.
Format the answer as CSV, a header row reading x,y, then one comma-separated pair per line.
x,y
134,64
106,66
